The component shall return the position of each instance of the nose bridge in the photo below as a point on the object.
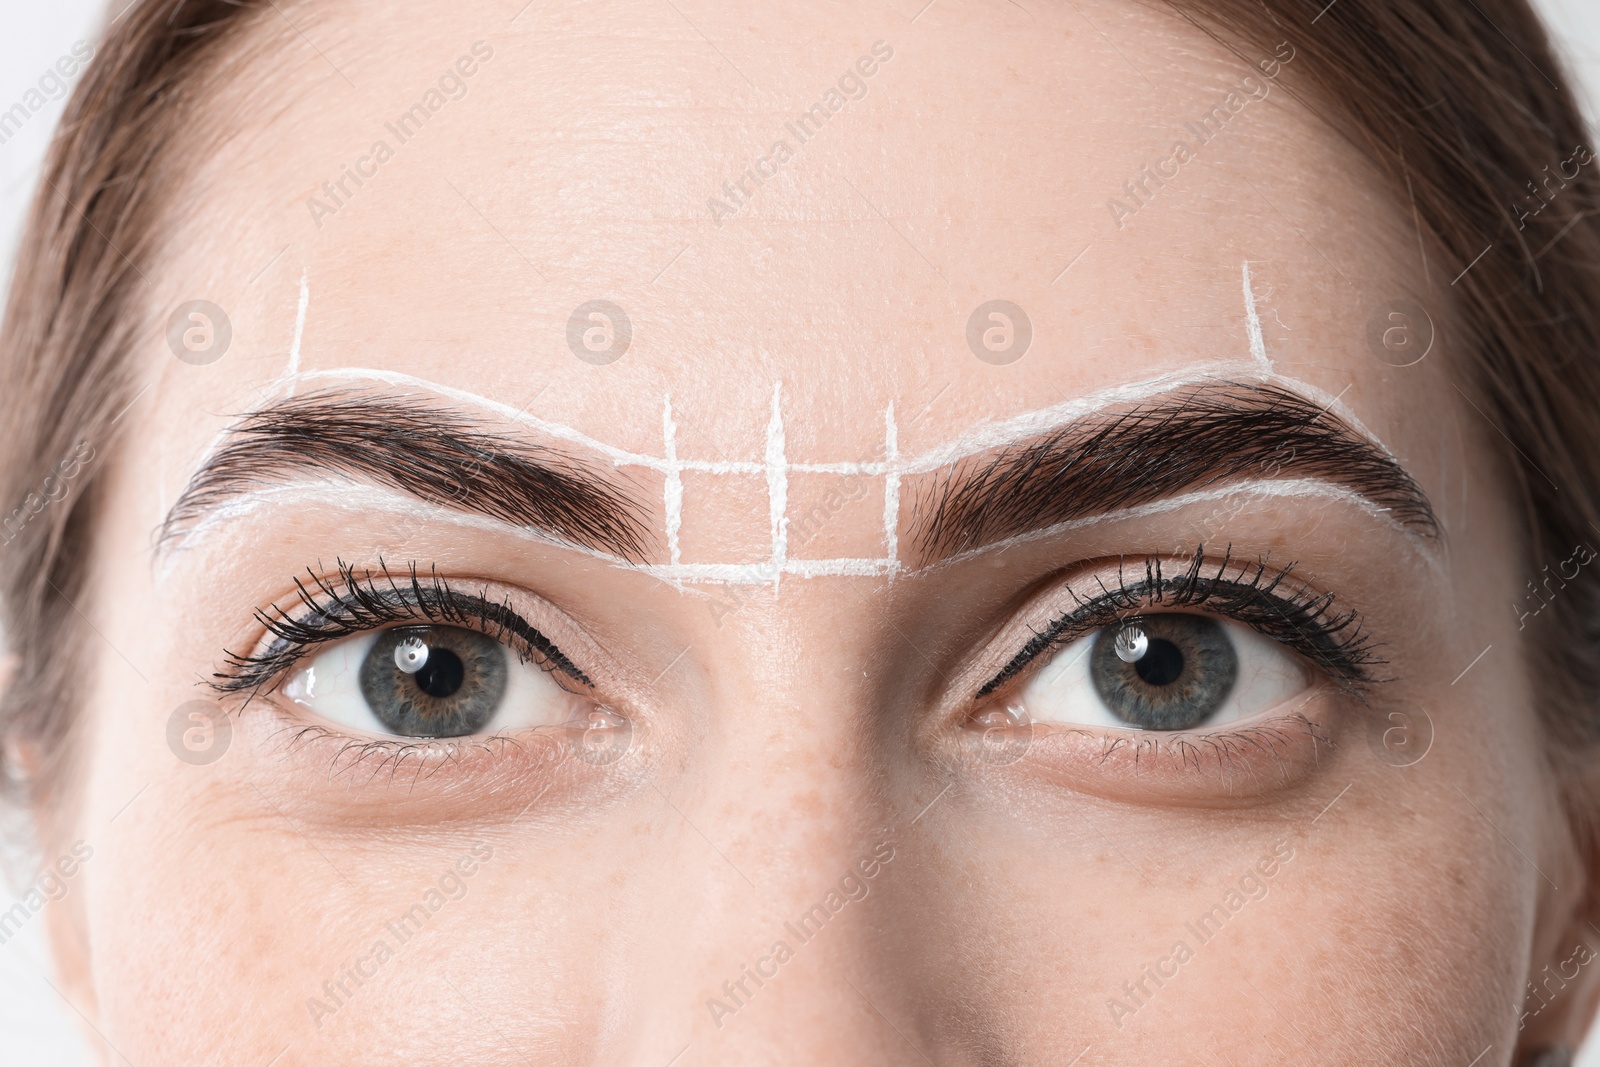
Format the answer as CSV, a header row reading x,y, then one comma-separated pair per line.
x,y
786,987
783,853
773,966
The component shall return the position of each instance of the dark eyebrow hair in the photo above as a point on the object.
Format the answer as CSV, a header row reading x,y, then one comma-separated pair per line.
x,y
1201,436
431,453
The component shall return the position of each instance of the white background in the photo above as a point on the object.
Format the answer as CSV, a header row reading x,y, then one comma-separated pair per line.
x,y
36,1027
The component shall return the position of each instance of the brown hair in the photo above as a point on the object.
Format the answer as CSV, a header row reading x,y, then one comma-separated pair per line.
x,y
1460,106
1466,111
72,319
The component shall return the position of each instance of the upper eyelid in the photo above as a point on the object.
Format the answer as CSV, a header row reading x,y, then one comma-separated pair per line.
x,y
1044,640
1078,621
438,603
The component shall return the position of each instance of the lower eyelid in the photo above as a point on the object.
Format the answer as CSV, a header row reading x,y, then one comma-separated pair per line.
x,y
1237,766
334,775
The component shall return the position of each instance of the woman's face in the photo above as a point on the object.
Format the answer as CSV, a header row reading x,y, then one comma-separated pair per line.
x,y
804,534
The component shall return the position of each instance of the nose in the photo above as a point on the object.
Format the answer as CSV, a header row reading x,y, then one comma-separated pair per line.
x,y
776,939
798,969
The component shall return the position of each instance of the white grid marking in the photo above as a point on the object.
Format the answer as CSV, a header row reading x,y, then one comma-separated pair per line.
x,y
777,485
1258,346
891,491
299,328
776,467
674,487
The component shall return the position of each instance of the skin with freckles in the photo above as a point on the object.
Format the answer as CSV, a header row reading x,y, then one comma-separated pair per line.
x,y
764,815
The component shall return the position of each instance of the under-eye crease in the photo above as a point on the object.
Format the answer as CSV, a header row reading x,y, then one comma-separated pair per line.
x,y
429,756
1268,599
329,610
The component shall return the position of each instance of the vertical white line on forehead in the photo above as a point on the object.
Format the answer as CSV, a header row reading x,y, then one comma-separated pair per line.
x,y
777,485
1264,369
985,437
293,370
1258,346
891,491
672,492
775,465
997,434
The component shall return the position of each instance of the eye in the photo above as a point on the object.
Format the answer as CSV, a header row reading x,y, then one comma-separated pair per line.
x,y
1165,671
430,681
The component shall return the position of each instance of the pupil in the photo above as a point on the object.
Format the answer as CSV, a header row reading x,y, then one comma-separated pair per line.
x,y
442,675
1161,664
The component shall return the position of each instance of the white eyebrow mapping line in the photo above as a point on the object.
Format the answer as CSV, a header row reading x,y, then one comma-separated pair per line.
x,y
618,456
291,373
1330,402
673,491
368,500
775,466
373,499
982,438
891,490
364,498
988,436
1252,322
777,486
991,435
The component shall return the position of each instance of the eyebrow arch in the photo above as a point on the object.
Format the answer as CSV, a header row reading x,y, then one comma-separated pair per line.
x,y
1198,437
437,455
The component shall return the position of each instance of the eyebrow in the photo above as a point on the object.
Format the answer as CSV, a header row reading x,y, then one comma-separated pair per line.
x,y
1199,437
435,455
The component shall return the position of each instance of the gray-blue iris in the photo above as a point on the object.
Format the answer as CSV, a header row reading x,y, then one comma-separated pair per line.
x,y
455,692
1187,670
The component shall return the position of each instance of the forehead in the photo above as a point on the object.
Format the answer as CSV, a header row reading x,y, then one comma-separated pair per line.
x,y
828,199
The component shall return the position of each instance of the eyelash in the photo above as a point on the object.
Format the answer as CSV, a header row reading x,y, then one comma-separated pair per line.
x,y
1298,618
356,604
352,604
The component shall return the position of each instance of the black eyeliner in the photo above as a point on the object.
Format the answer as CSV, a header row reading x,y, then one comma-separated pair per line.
x,y
1304,621
356,604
